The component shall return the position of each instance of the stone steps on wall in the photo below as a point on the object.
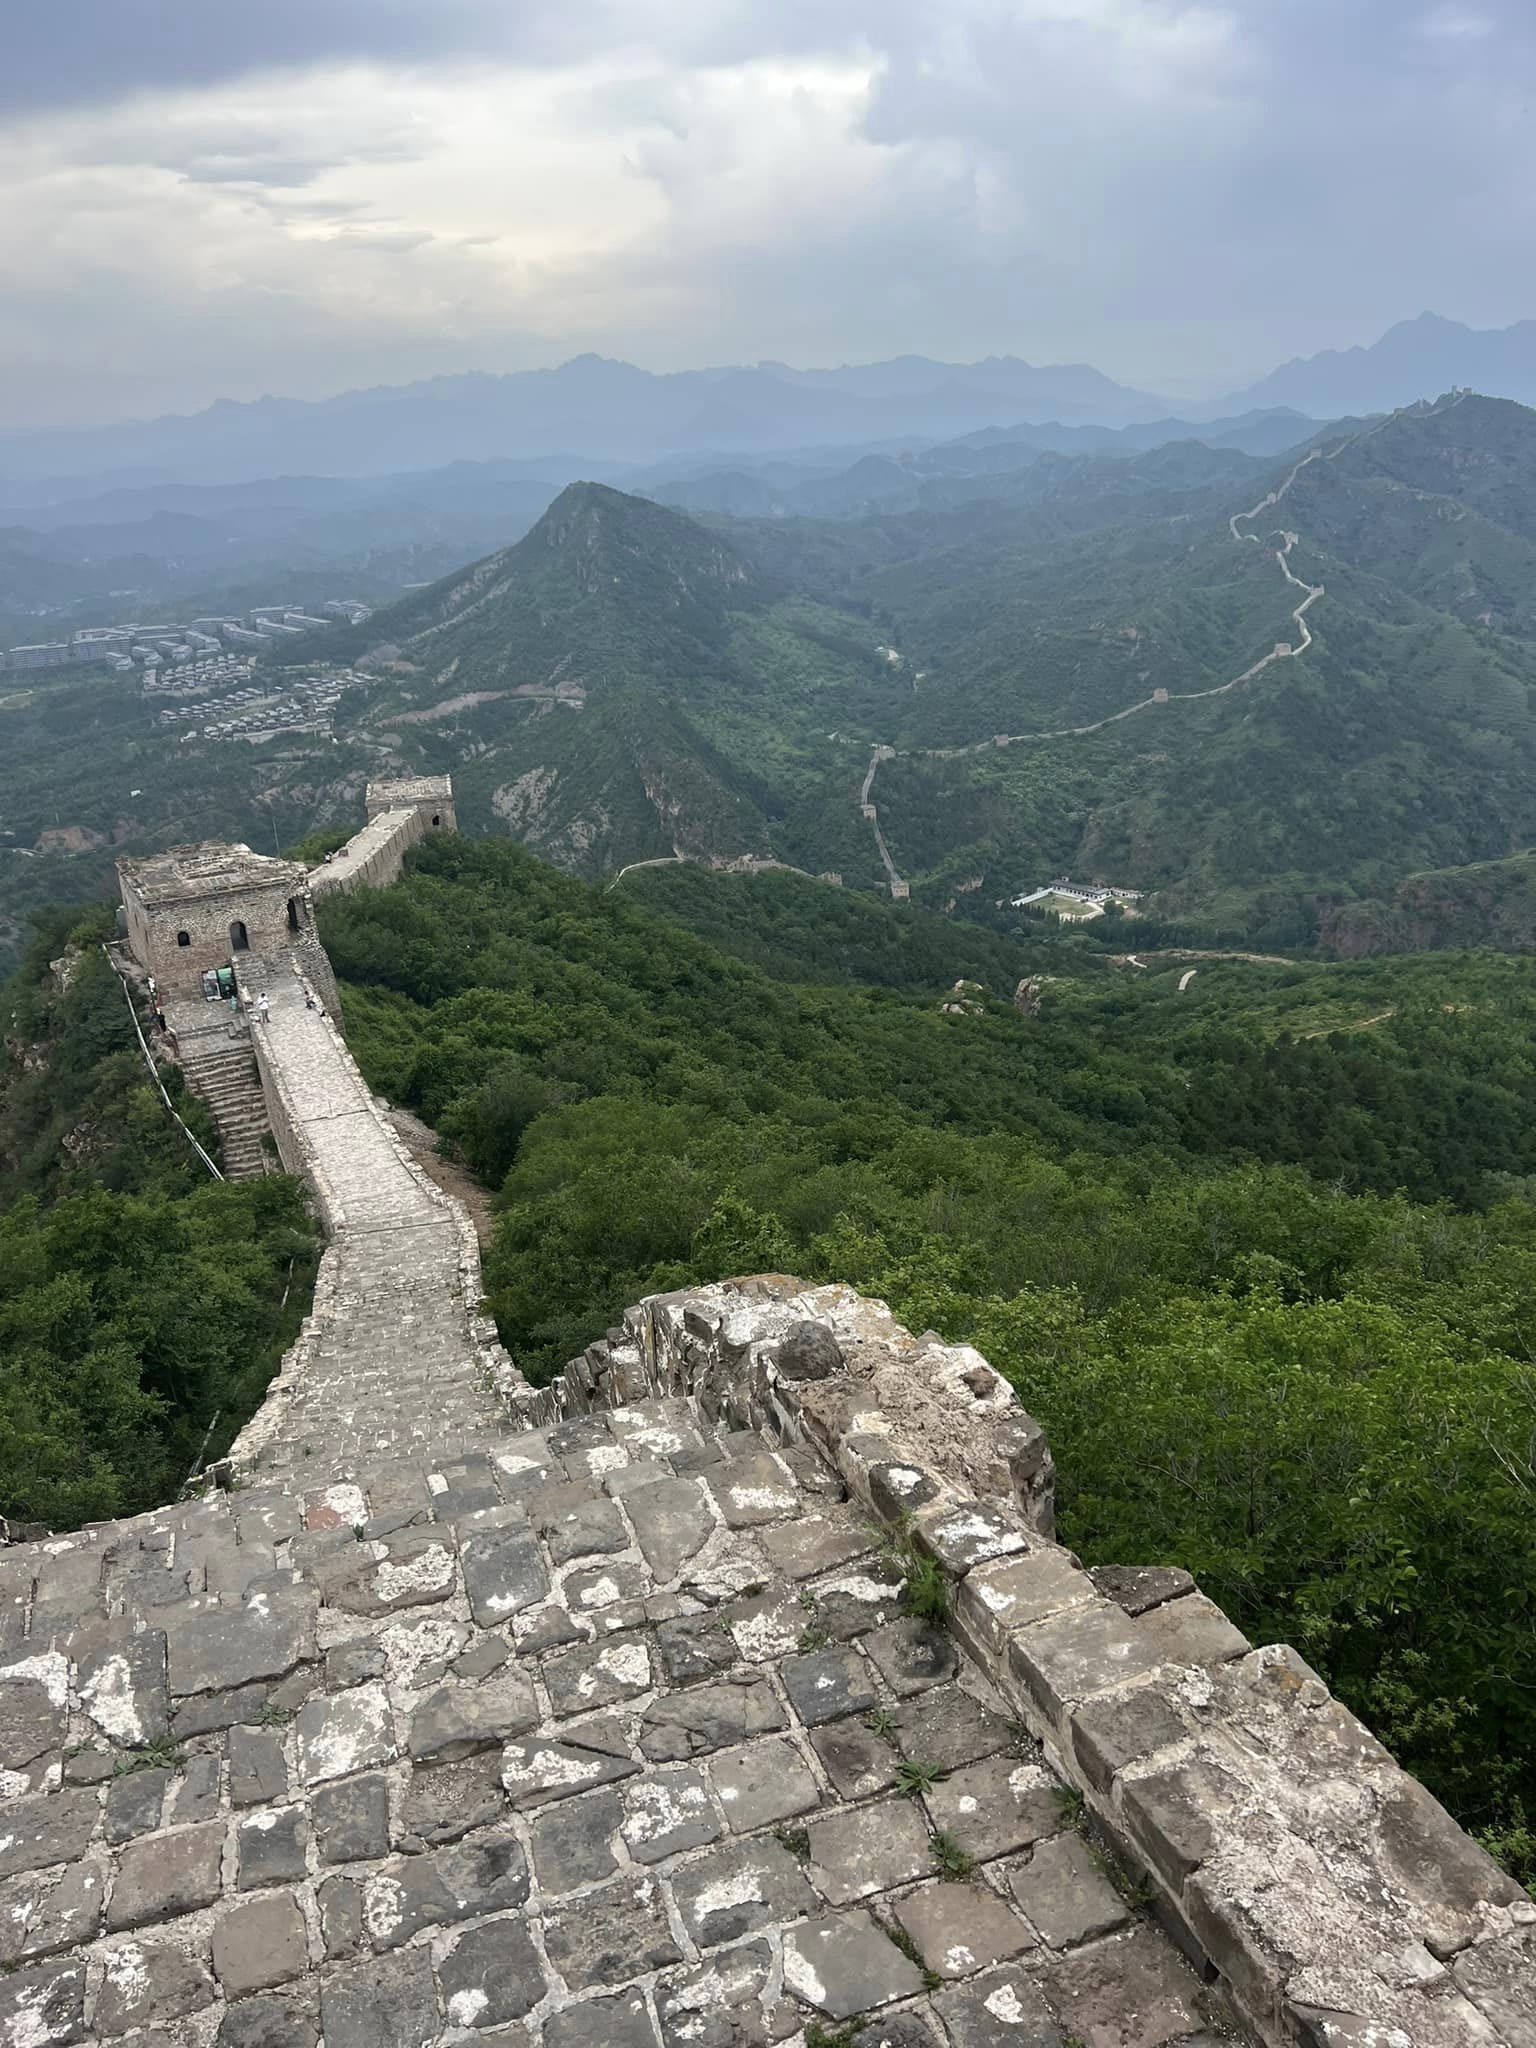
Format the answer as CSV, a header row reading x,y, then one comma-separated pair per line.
x,y
224,1077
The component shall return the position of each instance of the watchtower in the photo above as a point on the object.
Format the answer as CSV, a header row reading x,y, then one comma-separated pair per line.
x,y
198,907
431,795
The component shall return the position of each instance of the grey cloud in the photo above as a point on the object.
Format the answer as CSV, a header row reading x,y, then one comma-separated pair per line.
x,y
1169,188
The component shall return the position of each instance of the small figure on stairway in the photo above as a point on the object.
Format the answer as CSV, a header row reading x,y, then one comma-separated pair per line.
x,y
262,1006
309,999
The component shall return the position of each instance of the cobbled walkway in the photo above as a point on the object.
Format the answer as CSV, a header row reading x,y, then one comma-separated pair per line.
x,y
393,1362
606,1736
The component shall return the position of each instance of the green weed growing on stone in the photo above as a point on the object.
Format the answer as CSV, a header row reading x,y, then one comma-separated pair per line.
x,y
846,2036
925,1589
899,1938
796,1840
950,1860
1069,1804
152,1756
917,1775
881,1722
273,1716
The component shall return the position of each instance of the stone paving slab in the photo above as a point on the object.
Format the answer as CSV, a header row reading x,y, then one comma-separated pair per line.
x,y
545,1763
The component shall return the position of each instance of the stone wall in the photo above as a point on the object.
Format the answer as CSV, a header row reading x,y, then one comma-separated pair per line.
x,y
372,858
1288,1855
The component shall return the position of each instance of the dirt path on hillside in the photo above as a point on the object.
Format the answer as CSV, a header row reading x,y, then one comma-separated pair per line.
x,y
420,1140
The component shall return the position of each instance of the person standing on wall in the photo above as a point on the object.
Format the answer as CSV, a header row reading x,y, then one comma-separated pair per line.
x,y
262,1006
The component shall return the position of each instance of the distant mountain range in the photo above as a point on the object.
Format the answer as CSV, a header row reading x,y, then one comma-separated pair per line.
x,y
1415,359
587,409
591,412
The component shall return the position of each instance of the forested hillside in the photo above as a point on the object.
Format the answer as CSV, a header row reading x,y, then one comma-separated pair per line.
x,y
1070,658
1067,659
143,1306
1262,1256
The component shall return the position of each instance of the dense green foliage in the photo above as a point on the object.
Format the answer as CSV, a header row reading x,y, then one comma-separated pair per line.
x,y
1174,1221
140,1301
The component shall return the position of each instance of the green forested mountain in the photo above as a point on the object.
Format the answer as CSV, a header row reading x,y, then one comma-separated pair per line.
x,y
626,683
1261,1255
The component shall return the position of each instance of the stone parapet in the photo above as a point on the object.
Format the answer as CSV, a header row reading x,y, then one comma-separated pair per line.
x,y
1288,1854
372,858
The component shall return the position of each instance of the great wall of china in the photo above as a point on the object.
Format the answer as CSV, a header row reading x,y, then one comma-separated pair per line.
x,y
731,1690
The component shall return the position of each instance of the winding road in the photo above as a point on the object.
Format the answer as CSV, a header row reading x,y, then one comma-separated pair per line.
x,y
1283,650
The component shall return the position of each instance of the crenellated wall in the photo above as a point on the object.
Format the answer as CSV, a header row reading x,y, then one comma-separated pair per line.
x,y
1286,1852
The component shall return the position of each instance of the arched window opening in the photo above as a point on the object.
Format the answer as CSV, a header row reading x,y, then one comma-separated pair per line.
x,y
437,818
295,914
239,939
183,938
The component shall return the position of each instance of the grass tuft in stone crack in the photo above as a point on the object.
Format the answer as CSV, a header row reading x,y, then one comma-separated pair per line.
x,y
1069,1805
917,1776
899,1938
153,1756
819,2035
881,1722
796,1840
950,1860
925,1588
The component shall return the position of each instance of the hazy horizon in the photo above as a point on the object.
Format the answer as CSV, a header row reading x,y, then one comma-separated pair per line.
x,y
323,195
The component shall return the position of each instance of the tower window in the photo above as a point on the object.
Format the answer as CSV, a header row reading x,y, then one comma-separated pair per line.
x,y
183,938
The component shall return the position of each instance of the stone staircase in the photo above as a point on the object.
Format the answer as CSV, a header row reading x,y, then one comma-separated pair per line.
x,y
216,1058
226,1080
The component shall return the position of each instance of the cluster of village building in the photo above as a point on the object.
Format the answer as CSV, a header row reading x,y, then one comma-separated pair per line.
x,y
154,646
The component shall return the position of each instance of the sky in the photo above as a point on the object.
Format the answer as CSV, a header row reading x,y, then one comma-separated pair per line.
x,y
210,199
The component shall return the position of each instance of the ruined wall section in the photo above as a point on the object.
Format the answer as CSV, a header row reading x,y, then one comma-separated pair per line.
x,y
1283,1848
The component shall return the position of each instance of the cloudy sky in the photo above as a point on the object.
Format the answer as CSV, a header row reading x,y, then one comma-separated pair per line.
x,y
218,198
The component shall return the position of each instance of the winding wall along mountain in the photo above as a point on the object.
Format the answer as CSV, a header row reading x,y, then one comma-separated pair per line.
x,y
642,685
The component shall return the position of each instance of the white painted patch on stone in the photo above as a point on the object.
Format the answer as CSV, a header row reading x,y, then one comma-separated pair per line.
x,y
108,1698
995,1542
383,1909
354,1733
547,1766
767,1499
959,1959
408,1646
601,1593
605,1458
427,1572
49,1669
465,2007
762,1636
741,1888
127,1973
1004,2005
801,1978
348,1503
903,1478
